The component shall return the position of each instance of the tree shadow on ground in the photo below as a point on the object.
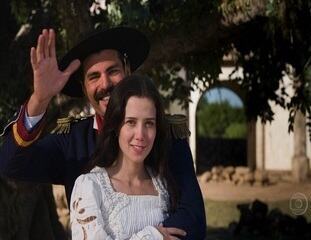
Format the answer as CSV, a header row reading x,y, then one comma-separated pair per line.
x,y
257,223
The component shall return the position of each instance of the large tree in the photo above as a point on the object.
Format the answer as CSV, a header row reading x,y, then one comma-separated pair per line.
x,y
266,38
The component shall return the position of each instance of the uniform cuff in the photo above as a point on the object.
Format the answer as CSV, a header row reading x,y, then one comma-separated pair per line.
x,y
22,136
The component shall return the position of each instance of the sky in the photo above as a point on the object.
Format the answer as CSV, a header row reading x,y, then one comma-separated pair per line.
x,y
222,94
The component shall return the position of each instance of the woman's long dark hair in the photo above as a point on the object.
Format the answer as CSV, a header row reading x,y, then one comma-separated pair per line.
x,y
107,148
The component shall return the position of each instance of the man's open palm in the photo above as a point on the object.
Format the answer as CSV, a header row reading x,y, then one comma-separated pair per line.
x,y
48,79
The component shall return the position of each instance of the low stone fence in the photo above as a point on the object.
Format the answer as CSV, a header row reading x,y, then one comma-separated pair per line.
x,y
243,176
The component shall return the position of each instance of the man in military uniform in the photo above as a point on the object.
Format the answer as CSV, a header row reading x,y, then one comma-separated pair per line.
x,y
92,68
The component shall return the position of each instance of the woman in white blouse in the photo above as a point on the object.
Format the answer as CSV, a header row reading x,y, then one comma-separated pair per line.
x,y
128,192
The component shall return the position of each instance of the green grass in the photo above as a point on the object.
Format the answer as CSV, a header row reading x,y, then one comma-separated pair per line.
x,y
222,213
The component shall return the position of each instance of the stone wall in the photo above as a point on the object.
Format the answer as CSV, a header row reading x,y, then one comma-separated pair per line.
x,y
244,176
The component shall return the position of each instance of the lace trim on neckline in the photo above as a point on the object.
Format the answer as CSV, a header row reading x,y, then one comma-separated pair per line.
x,y
157,183
118,200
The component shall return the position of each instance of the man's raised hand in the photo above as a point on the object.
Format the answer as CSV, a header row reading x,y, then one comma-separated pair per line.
x,y
48,79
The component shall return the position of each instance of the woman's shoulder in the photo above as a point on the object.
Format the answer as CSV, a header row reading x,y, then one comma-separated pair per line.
x,y
87,181
92,178
91,184
100,175
97,170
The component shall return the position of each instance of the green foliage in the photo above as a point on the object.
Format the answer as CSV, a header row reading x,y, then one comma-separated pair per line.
x,y
284,39
235,130
263,46
22,32
220,120
171,84
23,10
264,50
157,18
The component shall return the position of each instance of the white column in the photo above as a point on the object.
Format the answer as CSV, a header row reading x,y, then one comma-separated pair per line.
x,y
300,161
195,97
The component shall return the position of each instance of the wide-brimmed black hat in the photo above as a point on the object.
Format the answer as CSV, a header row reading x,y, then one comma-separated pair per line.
x,y
125,40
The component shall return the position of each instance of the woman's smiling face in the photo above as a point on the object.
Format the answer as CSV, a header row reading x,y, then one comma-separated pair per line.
x,y
138,131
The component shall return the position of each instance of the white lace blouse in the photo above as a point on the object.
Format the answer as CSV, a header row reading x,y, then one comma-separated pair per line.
x,y
97,211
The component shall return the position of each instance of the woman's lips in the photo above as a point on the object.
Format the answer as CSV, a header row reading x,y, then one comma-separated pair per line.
x,y
137,148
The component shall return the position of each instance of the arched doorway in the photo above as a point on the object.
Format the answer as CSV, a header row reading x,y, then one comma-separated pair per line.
x,y
221,130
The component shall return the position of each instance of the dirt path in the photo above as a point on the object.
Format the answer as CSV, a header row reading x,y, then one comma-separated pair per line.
x,y
276,192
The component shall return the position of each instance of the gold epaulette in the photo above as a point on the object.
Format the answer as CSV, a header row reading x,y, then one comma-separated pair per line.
x,y
63,124
178,127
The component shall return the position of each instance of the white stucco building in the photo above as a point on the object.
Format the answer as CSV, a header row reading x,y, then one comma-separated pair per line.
x,y
269,146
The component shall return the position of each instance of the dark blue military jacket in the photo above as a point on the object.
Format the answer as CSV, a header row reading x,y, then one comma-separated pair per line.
x,y
60,158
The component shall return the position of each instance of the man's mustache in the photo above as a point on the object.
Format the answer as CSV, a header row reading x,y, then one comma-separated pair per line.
x,y
103,93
